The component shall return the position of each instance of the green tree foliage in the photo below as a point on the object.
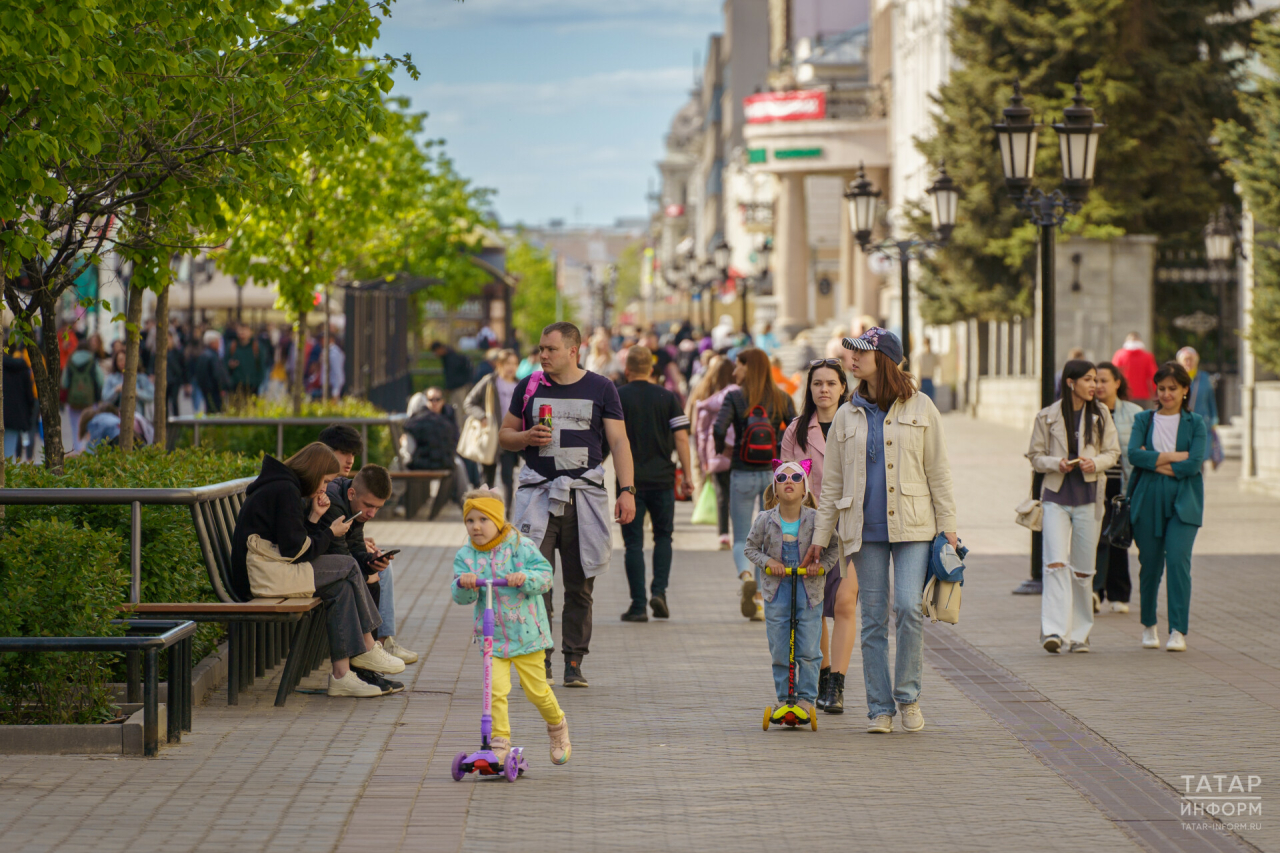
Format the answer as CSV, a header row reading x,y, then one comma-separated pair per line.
x,y
364,209
130,126
1253,149
1158,74
534,303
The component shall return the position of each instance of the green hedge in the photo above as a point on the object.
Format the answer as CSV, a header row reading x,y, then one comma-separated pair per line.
x,y
173,568
254,441
59,580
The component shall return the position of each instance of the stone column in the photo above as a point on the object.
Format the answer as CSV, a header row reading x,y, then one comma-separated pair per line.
x,y
791,256
846,295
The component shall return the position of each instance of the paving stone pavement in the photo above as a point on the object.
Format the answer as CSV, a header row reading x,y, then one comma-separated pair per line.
x,y
668,749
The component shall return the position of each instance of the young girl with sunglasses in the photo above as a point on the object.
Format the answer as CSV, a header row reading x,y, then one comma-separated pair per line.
x,y
826,389
779,538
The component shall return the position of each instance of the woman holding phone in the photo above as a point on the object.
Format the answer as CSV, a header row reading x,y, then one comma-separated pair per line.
x,y
278,549
1073,443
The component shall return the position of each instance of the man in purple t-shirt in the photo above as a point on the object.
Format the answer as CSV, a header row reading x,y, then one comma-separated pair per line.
x,y
585,413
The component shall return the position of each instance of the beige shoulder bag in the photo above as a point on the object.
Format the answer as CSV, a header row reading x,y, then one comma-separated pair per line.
x,y
272,575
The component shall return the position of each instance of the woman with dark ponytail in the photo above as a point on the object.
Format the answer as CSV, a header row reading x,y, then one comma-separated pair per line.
x,y
1166,500
1073,443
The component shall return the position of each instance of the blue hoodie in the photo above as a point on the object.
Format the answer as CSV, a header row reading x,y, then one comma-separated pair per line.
x,y
875,500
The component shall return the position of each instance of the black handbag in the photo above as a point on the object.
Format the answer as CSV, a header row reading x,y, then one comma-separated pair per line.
x,y
1119,531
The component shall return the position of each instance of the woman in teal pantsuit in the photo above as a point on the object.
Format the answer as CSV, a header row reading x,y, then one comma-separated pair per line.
x,y
1166,501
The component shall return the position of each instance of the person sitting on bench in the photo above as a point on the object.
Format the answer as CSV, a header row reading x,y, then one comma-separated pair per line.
x,y
279,550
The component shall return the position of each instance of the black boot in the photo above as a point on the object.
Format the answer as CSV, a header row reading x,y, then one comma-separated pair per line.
x,y
833,699
824,676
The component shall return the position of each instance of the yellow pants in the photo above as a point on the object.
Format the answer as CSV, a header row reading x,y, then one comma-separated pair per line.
x,y
533,678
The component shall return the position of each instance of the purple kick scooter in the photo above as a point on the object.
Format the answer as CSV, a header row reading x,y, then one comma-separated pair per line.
x,y
485,762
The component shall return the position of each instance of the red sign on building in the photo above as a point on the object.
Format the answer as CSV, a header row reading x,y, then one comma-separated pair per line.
x,y
785,106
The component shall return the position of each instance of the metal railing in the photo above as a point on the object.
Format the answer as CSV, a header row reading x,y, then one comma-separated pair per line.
x,y
196,422
219,495
173,633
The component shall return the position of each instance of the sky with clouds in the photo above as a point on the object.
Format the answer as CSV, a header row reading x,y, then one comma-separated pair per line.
x,y
558,105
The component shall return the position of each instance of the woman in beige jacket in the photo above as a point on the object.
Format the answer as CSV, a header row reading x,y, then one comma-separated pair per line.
x,y
1073,443
887,493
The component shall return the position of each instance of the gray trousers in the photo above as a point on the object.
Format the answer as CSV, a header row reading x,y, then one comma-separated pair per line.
x,y
352,613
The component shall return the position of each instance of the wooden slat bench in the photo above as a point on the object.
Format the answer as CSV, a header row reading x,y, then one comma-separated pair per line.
x,y
258,636
419,488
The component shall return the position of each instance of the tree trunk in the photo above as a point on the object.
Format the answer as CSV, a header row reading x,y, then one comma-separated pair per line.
x,y
325,381
162,368
47,367
299,356
129,391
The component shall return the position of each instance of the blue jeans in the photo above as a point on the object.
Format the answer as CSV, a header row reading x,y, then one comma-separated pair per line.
x,y
777,625
745,488
386,605
11,444
661,506
910,567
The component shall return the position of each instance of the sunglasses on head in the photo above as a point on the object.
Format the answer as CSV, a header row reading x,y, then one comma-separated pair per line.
x,y
826,362
795,476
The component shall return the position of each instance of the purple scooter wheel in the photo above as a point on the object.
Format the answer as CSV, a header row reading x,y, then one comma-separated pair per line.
x,y
512,768
456,768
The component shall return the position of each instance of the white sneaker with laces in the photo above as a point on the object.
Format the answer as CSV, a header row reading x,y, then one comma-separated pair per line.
x,y
391,647
1149,638
378,660
1119,607
1177,642
352,685
912,719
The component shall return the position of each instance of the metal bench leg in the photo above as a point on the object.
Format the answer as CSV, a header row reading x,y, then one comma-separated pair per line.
x,y
233,663
293,662
150,704
173,705
188,692
318,638
272,634
260,649
246,655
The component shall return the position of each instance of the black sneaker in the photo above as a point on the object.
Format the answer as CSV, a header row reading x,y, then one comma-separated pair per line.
x,y
386,685
635,616
573,676
659,605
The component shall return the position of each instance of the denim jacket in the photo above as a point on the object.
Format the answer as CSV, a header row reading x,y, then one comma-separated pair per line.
x,y
520,624
765,541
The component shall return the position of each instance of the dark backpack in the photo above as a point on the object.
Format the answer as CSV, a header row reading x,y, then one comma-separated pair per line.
x,y
759,438
82,385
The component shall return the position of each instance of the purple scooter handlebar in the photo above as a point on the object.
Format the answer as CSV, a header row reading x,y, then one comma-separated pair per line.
x,y
491,582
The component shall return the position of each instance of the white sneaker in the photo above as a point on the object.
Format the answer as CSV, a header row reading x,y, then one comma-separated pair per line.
x,y
1119,607
1177,642
1149,638
378,660
351,685
391,647
912,719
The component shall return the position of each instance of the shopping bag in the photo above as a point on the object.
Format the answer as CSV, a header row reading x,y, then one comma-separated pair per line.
x,y
704,511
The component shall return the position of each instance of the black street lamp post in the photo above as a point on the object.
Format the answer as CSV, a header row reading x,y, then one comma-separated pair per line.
x,y
1220,248
862,197
1018,136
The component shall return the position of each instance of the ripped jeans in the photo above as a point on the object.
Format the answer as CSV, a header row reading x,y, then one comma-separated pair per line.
x,y
1070,541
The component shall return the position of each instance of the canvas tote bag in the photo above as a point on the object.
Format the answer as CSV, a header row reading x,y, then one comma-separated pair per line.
x,y
272,575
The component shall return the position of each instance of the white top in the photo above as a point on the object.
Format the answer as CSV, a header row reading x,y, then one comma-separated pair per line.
x,y
1166,433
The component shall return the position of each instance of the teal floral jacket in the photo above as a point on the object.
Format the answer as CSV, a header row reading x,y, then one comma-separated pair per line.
x,y
520,623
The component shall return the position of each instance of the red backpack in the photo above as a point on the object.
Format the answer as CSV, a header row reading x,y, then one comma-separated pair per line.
x,y
759,438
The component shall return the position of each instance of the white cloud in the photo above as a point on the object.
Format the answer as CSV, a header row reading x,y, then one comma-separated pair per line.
x,y
669,17
607,89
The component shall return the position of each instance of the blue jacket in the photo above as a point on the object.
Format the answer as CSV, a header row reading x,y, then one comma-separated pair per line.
x,y
1193,438
938,562
520,624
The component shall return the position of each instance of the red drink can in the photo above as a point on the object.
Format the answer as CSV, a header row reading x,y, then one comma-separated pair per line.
x,y
544,415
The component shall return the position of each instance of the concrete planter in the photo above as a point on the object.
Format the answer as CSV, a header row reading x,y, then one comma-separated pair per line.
x,y
111,739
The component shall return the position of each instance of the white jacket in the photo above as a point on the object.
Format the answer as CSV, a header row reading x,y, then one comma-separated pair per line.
x,y
921,503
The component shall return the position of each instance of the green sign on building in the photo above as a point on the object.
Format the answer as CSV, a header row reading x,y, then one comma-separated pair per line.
x,y
797,153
